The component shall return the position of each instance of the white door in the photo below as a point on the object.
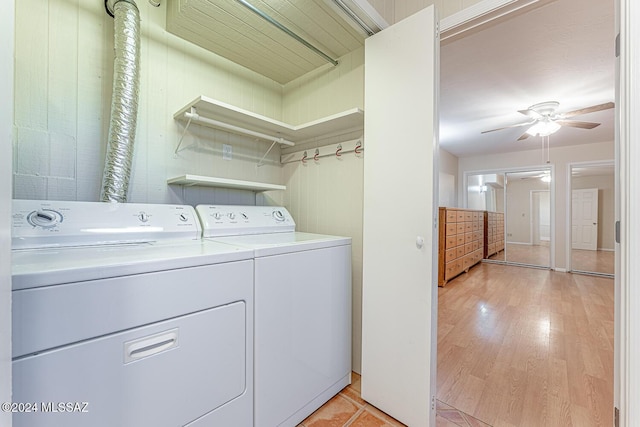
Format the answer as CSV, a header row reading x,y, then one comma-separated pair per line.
x,y
541,217
584,219
399,310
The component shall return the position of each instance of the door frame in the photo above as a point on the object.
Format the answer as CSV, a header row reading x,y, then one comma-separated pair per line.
x,y
627,297
568,207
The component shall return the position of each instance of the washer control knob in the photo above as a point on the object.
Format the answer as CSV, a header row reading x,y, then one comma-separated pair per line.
x,y
44,218
217,215
143,217
183,217
278,215
244,215
231,215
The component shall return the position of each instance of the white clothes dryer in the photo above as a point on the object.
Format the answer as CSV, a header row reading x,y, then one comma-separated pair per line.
x,y
123,316
302,341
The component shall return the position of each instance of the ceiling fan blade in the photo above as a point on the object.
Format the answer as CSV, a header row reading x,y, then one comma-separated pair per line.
x,y
592,109
578,124
507,127
523,136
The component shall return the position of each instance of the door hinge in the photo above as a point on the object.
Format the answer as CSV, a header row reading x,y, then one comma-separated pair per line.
x,y
616,417
433,403
617,231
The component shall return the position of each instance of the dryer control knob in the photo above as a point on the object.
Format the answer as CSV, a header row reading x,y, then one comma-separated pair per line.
x,y
183,217
231,215
278,215
217,215
143,217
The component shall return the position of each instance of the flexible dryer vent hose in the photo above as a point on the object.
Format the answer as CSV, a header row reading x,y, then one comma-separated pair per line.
x,y
124,102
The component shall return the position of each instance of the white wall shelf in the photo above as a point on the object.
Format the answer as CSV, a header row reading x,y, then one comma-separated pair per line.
x,y
216,114
209,181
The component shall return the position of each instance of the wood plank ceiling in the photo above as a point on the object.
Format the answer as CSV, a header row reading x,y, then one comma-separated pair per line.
x,y
229,29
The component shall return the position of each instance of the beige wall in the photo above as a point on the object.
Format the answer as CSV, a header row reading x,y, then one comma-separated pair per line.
x,y
560,157
606,207
64,67
325,91
448,165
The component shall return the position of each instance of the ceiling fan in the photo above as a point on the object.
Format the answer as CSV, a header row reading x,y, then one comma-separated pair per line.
x,y
545,120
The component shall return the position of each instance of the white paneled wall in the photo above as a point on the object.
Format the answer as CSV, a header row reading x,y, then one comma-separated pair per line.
x,y
64,67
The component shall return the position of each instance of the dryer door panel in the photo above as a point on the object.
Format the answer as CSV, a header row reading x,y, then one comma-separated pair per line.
x,y
166,374
47,317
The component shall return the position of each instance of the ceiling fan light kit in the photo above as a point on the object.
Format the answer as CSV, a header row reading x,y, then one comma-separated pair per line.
x,y
544,128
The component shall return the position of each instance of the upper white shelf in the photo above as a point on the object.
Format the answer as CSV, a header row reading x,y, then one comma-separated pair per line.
x,y
209,181
213,113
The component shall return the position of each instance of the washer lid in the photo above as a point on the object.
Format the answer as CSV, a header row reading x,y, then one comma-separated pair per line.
x,y
283,243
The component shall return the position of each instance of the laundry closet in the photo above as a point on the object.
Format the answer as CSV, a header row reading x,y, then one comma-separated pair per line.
x,y
207,131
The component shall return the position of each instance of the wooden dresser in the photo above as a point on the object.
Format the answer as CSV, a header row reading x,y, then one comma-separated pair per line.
x,y
494,232
461,242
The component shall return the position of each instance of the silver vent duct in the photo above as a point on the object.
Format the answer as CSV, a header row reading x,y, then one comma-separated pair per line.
x,y
124,102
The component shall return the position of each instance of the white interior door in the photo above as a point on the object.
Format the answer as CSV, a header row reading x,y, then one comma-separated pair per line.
x,y
541,216
399,303
584,219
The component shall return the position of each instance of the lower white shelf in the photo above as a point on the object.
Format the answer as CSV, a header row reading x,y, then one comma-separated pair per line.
x,y
210,181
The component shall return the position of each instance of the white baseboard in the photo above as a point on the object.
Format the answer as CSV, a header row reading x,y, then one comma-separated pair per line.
x,y
560,270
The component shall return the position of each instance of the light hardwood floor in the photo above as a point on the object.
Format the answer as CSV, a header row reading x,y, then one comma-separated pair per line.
x,y
593,261
527,347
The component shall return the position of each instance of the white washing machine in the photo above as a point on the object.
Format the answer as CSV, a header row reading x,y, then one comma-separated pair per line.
x,y
302,319
123,316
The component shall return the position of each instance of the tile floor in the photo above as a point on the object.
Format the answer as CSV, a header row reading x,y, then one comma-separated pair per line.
x,y
348,409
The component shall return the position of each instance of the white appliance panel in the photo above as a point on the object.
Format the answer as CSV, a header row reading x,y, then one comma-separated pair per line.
x,y
236,220
120,303
158,390
39,223
302,333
